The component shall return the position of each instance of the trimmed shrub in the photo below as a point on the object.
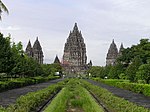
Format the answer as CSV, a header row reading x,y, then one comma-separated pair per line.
x,y
113,103
134,87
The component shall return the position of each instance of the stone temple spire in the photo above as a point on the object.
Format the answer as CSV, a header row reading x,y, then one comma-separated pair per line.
x,y
37,45
28,50
112,54
75,29
74,57
37,51
121,49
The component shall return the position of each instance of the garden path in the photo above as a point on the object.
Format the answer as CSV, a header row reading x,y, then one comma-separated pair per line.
x,y
139,99
10,96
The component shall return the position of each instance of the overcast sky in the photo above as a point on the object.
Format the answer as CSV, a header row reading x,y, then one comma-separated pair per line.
x,y
100,21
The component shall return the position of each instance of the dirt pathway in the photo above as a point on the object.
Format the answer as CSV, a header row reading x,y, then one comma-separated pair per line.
x,y
10,96
128,95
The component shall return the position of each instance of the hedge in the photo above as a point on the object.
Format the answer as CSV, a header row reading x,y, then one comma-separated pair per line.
x,y
21,82
112,102
134,87
32,100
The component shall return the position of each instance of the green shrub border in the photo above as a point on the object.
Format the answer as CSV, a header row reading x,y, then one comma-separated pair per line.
x,y
21,82
32,100
112,102
134,87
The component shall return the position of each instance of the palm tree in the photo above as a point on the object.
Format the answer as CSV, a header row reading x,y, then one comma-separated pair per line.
x,y
2,8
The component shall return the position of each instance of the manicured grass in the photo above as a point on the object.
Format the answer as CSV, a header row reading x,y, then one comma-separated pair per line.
x,y
59,103
74,97
113,103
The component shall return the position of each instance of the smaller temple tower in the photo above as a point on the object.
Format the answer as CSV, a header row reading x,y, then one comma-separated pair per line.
x,y
120,50
112,54
29,50
35,51
90,64
57,60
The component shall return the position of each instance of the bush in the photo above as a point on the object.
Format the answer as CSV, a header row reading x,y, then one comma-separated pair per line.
x,y
134,87
32,100
21,82
113,103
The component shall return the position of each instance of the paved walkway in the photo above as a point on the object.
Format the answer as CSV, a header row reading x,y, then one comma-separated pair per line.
x,y
128,95
10,96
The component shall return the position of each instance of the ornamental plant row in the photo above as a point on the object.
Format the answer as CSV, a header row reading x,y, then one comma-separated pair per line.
x,y
21,82
112,102
32,100
134,87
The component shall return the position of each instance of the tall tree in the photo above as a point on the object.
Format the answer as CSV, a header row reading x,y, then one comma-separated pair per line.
x,y
132,69
3,8
116,70
144,72
5,54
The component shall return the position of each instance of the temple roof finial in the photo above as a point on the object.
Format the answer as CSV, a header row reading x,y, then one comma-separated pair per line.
x,y
75,27
113,41
37,38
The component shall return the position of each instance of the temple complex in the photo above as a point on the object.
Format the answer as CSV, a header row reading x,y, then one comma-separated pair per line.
x,y
35,51
113,53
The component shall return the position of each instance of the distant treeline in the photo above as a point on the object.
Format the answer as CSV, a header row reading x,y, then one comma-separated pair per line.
x,y
133,64
15,63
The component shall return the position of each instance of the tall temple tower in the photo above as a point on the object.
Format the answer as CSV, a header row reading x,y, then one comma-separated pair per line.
x,y
35,51
74,57
112,54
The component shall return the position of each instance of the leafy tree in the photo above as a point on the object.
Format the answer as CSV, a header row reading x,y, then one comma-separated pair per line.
x,y
144,72
5,54
142,50
2,8
122,76
132,69
107,70
97,71
116,70
50,69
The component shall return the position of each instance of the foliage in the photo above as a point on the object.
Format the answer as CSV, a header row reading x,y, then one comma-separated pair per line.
x,y
144,72
73,96
3,8
97,71
15,63
132,69
59,103
115,71
20,82
142,50
50,69
113,103
32,100
5,54
124,84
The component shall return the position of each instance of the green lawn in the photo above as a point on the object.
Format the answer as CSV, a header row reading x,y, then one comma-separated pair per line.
x,y
74,98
